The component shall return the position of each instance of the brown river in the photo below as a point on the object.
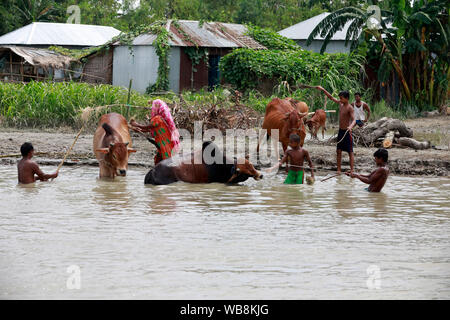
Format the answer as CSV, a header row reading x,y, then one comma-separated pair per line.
x,y
79,237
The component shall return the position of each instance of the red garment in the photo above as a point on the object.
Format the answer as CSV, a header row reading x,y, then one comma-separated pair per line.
x,y
162,136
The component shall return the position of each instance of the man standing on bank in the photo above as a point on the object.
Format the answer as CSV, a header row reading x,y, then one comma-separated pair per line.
x,y
360,108
346,123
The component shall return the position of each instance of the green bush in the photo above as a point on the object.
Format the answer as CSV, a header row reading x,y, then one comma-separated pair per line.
x,y
270,39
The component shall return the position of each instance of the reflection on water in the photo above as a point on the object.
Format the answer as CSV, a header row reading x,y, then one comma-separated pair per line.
x,y
261,239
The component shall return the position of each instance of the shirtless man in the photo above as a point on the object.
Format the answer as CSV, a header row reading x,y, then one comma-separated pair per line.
x,y
378,177
346,123
27,169
295,158
360,107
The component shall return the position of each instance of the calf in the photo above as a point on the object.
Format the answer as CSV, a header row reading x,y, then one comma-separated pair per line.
x,y
317,121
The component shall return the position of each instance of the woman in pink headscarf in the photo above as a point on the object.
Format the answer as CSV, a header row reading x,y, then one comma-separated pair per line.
x,y
163,130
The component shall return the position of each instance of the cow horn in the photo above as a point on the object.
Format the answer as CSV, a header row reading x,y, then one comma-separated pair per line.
x,y
287,114
302,114
111,145
127,143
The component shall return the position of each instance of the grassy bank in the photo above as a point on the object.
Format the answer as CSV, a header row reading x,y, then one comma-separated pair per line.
x,y
49,105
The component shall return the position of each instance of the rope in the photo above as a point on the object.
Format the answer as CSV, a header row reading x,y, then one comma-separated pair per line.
x,y
343,137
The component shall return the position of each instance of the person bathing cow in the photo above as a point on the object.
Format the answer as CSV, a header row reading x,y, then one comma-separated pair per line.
x,y
295,158
346,123
28,171
163,130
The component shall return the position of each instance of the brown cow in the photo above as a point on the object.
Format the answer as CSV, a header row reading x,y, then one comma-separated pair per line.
x,y
317,121
282,115
301,106
112,145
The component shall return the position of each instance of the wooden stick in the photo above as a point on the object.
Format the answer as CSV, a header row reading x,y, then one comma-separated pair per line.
x,y
337,174
70,149
19,155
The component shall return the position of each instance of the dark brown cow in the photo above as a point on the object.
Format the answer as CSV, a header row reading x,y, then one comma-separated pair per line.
x,y
317,121
282,115
112,145
224,171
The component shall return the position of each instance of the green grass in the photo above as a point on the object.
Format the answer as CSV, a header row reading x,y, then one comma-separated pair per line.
x,y
47,104
53,105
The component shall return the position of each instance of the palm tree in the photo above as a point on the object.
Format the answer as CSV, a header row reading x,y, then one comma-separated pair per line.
x,y
34,10
415,32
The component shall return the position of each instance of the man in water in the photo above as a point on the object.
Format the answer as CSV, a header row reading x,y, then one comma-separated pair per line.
x,y
295,158
346,124
378,177
359,108
27,169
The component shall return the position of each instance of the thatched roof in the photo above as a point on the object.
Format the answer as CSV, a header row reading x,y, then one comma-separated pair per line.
x,y
40,57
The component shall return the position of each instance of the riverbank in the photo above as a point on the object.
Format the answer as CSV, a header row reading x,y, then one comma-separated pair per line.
x,y
53,143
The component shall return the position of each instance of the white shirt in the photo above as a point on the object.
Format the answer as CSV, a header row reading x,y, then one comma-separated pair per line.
x,y
359,112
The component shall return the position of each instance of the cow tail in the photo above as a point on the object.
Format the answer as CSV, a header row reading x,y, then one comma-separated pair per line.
x,y
108,129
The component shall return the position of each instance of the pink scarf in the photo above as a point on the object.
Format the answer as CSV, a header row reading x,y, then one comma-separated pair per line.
x,y
160,108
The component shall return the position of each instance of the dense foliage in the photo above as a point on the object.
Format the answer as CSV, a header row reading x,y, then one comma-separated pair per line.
x,y
126,15
410,40
245,68
271,39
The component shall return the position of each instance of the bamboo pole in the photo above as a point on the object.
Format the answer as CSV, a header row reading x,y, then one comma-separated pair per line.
x,y
70,149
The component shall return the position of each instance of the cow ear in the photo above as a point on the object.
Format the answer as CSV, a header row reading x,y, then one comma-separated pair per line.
x,y
102,150
131,150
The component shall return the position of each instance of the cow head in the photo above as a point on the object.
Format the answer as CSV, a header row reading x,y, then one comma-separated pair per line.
x,y
116,157
293,123
310,123
242,171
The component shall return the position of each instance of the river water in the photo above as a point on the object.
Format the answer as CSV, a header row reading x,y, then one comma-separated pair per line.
x,y
259,240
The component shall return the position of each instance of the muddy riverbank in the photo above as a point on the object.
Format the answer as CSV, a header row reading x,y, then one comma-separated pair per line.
x,y
52,144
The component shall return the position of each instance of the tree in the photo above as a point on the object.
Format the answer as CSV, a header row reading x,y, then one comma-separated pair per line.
x,y
413,32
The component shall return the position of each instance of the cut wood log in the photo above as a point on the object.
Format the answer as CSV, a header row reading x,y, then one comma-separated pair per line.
x,y
377,130
387,142
412,143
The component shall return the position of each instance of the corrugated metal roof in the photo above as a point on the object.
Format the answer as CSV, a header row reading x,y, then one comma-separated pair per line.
x,y
40,57
302,30
210,34
60,34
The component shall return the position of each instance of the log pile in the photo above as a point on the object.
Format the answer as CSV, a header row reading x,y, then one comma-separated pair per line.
x,y
387,132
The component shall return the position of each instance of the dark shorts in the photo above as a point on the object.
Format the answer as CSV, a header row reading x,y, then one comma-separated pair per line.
x,y
347,142
359,123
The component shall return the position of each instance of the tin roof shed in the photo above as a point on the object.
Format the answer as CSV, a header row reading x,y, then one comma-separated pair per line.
x,y
187,33
59,34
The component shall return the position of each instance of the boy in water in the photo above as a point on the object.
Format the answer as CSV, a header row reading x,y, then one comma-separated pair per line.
x,y
346,123
295,157
27,169
378,177
360,108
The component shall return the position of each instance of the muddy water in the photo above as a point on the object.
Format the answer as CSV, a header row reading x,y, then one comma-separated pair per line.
x,y
257,240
